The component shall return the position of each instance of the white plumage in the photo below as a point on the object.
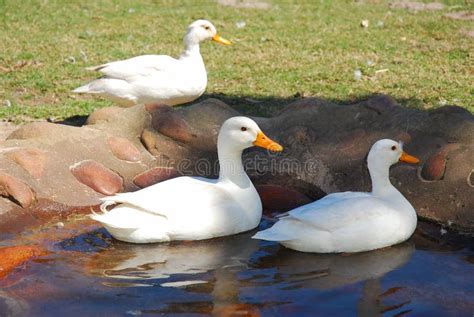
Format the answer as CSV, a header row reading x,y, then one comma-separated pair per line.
x,y
352,221
194,208
157,78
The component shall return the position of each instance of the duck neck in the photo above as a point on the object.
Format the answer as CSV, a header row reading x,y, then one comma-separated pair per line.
x,y
231,168
379,174
191,48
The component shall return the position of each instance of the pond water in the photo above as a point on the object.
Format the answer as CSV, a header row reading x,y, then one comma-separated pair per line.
x,y
92,274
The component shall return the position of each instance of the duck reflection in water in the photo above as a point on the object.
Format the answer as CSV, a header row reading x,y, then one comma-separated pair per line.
x,y
213,267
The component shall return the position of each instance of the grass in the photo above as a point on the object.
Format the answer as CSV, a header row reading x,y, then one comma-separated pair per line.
x,y
296,48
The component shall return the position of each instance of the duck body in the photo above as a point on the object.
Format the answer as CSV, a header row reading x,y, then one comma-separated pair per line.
x,y
150,79
193,208
208,208
351,221
157,78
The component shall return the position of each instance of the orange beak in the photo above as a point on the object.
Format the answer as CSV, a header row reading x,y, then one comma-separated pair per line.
x,y
407,158
221,40
263,141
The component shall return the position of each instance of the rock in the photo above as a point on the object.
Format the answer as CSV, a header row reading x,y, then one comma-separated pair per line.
x,y
32,160
38,130
97,177
171,124
12,257
123,149
461,15
417,6
104,115
155,175
280,199
157,108
12,187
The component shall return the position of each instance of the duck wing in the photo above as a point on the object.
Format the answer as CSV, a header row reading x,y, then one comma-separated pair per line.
x,y
173,197
343,211
145,65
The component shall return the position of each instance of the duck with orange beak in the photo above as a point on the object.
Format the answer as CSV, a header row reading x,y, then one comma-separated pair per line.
x,y
352,221
158,79
194,208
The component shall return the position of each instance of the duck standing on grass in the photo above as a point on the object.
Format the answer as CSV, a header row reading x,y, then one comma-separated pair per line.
x,y
194,208
157,78
352,221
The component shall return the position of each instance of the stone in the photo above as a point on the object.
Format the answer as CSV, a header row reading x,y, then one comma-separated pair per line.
x,y
12,257
280,199
13,188
417,6
98,177
40,129
461,15
104,115
155,175
435,166
123,149
157,108
32,160
173,125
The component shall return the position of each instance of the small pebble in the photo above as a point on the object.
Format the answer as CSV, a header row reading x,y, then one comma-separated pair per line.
x,y
83,56
70,59
131,10
60,225
240,24
364,23
7,103
443,231
357,74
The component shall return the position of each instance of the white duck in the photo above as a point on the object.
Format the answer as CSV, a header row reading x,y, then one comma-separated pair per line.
x,y
352,221
157,78
194,208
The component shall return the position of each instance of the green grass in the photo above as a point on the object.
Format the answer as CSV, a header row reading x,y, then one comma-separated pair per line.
x,y
297,48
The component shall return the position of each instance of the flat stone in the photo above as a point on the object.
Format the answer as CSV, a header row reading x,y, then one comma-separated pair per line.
x,y
13,188
12,257
435,165
123,149
157,108
172,124
98,177
30,159
104,115
155,175
381,104
277,198
148,139
461,15
417,6
40,129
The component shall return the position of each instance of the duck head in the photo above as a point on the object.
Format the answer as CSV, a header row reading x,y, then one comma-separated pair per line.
x,y
240,133
389,152
202,30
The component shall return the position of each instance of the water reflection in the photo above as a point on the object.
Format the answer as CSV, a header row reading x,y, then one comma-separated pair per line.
x,y
160,261
327,271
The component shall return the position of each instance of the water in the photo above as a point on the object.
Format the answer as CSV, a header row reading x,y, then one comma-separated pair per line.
x,y
92,274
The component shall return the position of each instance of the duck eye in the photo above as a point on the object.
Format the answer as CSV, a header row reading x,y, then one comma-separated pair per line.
x,y
394,148
243,129
206,27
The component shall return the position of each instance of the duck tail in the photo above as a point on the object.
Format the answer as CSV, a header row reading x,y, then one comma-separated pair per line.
x,y
271,235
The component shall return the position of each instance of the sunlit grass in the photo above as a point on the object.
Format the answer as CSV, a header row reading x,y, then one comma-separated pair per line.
x,y
302,48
